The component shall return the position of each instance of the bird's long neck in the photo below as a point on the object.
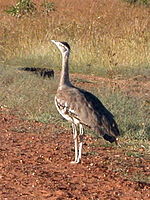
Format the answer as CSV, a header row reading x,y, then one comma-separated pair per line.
x,y
64,78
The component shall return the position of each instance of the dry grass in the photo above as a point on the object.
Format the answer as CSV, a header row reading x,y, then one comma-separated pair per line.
x,y
29,96
101,34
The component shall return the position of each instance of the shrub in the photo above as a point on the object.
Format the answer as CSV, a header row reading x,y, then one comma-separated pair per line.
x,y
21,8
142,2
48,7
24,7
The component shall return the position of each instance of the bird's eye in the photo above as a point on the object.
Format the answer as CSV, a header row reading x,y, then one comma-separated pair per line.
x,y
64,48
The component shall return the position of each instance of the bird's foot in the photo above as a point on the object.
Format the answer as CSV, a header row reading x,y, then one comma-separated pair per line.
x,y
75,162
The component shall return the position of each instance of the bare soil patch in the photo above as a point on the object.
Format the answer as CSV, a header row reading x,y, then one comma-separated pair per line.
x,y
138,86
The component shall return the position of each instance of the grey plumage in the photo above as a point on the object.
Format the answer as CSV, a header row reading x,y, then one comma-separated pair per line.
x,y
89,110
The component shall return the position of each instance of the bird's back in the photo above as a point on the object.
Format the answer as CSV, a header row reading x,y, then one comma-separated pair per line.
x,y
88,110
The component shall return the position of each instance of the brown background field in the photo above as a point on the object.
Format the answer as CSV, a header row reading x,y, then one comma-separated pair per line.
x,y
108,34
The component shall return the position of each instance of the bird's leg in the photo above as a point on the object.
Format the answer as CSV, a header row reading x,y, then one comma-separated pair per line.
x,y
75,137
80,143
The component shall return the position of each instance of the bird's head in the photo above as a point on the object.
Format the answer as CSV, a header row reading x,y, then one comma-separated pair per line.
x,y
62,46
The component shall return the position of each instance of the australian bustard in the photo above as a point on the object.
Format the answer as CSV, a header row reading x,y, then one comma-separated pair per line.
x,y
80,107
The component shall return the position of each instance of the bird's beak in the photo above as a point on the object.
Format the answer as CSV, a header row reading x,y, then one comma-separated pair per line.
x,y
54,41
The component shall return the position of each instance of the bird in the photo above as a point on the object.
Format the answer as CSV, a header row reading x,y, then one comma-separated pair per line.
x,y
81,108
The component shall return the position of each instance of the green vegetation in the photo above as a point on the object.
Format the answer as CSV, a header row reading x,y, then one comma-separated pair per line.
x,y
28,7
140,2
21,8
48,6
108,39
32,98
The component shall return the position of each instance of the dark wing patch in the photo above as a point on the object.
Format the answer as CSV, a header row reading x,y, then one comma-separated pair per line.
x,y
96,104
106,122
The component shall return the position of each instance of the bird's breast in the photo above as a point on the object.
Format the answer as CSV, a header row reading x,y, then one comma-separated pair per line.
x,y
66,111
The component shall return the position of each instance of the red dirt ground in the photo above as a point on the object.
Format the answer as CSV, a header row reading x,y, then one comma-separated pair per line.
x,y
138,86
35,165
35,159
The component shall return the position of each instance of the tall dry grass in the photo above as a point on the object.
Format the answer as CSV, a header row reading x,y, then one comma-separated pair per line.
x,y
101,34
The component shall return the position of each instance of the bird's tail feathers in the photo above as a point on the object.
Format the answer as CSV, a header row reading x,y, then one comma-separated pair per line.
x,y
109,133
